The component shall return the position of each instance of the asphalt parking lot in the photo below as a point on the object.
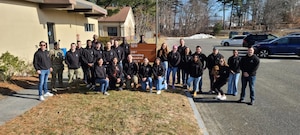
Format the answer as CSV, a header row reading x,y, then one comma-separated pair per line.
x,y
276,110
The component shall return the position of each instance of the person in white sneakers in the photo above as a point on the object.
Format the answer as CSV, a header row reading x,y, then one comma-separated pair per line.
x,y
42,65
221,79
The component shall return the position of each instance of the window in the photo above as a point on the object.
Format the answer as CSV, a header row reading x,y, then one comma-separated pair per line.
x,y
295,40
283,41
112,31
238,37
89,27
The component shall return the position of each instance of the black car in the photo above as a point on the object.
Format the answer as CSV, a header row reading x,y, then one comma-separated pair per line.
x,y
233,33
251,39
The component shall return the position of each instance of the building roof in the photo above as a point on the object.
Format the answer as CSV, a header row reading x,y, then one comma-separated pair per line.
x,y
119,17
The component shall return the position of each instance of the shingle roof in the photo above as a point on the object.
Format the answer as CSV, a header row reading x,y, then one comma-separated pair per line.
x,y
119,17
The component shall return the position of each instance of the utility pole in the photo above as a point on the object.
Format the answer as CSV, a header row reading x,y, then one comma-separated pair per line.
x,y
157,24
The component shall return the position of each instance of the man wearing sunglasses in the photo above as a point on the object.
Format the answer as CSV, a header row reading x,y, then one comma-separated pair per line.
x,y
43,67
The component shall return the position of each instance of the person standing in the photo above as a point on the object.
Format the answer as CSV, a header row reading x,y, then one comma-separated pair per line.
x,y
195,71
126,48
212,60
221,79
174,59
57,58
158,71
73,63
202,58
101,77
108,54
181,49
145,74
80,50
130,73
42,65
120,53
185,60
162,53
234,66
249,65
88,64
95,40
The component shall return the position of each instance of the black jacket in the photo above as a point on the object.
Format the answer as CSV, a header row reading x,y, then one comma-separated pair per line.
x,y
174,59
234,64
114,71
158,70
80,50
130,69
250,64
126,48
88,56
185,61
202,58
97,54
41,60
213,60
145,71
223,72
73,59
181,49
100,72
195,68
109,55
162,55
120,53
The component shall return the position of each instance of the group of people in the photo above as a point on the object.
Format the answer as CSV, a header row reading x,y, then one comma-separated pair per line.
x,y
111,66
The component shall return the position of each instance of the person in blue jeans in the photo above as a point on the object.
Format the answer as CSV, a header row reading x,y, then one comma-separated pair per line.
x,y
162,53
249,65
158,71
202,58
174,59
234,66
101,77
195,71
42,65
145,74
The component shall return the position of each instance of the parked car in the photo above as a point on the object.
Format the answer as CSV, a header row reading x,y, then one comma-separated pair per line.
x,y
236,40
251,39
287,45
246,33
233,33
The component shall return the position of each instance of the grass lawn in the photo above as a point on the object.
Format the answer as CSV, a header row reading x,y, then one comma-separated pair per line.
x,y
123,112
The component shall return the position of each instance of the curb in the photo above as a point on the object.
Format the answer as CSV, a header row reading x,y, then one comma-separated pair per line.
x,y
196,113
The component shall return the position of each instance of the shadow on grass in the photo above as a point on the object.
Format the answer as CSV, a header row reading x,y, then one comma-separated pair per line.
x,y
7,91
26,84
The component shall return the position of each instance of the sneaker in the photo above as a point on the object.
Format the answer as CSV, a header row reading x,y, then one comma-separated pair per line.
x,y
218,97
252,102
195,93
92,87
223,97
106,93
158,92
88,85
241,101
150,90
48,94
54,90
41,98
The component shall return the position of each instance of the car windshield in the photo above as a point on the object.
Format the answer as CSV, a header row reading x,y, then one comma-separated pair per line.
x,y
268,40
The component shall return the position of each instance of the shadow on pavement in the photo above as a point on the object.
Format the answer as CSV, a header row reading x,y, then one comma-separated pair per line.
x,y
213,100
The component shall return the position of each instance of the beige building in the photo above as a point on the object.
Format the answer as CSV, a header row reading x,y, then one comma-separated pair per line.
x,y
121,24
24,23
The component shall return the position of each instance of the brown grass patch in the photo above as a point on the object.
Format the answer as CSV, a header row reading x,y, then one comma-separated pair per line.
x,y
123,112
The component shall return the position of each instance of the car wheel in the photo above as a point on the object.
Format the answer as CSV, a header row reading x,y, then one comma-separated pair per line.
x,y
226,44
263,53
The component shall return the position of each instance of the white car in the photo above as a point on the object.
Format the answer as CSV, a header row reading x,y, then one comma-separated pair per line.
x,y
236,40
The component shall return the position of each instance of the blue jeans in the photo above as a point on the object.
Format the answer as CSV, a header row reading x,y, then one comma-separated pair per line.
x,y
165,64
200,84
43,79
233,83
251,80
184,76
144,83
173,70
159,83
195,81
101,85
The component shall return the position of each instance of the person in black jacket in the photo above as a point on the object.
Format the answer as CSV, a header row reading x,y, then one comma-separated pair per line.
x,y
234,65
115,75
126,48
173,60
202,58
186,58
120,53
195,71
212,60
108,54
145,74
101,77
249,65
221,79
180,49
162,53
80,50
73,63
158,71
88,64
130,73
42,65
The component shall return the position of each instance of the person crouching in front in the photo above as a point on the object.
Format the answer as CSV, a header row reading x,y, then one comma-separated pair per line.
x,y
158,71
101,77
221,79
115,75
145,73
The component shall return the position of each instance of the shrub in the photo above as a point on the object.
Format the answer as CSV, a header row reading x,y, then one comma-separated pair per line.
x,y
217,28
11,65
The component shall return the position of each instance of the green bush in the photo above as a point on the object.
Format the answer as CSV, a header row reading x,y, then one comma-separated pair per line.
x,y
11,65
217,28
